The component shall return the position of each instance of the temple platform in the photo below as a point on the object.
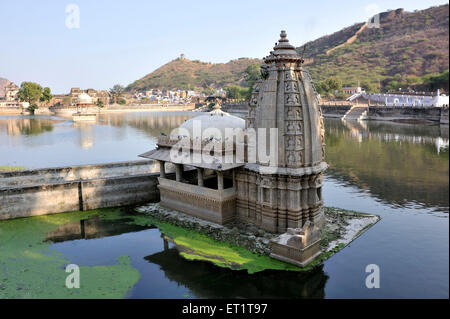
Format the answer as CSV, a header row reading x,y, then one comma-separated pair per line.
x,y
214,205
76,117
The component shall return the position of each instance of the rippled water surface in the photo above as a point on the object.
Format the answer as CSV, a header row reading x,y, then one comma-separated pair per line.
x,y
398,171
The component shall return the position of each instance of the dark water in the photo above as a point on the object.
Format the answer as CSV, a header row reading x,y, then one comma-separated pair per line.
x,y
398,171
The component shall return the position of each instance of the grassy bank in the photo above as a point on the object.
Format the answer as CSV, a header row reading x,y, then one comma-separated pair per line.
x,y
4,168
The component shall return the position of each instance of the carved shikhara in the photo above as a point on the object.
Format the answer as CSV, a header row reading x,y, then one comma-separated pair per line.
x,y
285,100
278,202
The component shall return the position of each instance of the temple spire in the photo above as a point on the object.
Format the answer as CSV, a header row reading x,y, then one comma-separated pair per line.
x,y
283,51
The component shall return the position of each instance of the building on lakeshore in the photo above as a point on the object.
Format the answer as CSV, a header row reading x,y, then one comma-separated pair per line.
x,y
223,178
352,90
84,102
71,99
11,98
418,99
11,92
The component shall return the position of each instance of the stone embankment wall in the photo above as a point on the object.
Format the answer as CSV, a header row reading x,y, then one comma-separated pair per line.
x,y
56,190
335,111
388,113
444,115
238,108
126,108
10,110
332,111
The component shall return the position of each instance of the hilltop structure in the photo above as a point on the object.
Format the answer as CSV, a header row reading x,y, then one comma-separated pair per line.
x,y
282,194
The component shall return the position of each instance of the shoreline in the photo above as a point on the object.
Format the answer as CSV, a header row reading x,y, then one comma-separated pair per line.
x,y
436,115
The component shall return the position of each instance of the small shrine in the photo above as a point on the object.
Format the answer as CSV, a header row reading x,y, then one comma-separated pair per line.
x,y
84,101
215,180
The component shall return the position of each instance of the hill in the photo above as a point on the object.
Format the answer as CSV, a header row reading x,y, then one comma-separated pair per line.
x,y
186,74
3,83
407,49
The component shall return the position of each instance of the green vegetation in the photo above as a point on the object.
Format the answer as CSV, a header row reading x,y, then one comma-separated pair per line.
x,y
32,93
185,74
195,245
116,93
236,92
428,82
199,246
251,75
330,87
46,95
100,104
409,50
11,168
29,269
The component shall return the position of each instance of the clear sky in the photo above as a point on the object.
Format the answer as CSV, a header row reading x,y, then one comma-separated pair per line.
x,y
121,41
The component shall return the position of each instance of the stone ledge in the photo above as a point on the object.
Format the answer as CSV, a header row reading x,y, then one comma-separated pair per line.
x,y
341,228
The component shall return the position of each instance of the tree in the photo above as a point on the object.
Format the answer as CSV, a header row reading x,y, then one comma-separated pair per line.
x,y
46,95
100,103
116,92
329,86
333,84
236,92
30,92
369,87
252,74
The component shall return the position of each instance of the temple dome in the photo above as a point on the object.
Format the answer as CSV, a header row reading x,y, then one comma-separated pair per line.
x,y
217,119
84,98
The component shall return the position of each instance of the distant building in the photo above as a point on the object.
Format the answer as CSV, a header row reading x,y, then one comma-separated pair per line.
x,y
11,91
404,99
71,99
352,90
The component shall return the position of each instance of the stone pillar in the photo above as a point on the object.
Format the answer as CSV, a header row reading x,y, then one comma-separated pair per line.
x,y
162,169
234,177
200,176
219,180
178,172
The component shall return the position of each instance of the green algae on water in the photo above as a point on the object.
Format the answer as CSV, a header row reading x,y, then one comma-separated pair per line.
x,y
195,245
30,269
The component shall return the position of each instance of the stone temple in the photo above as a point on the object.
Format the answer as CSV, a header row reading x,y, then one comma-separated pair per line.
x,y
269,173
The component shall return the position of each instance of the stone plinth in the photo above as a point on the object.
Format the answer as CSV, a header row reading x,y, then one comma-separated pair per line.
x,y
215,205
297,246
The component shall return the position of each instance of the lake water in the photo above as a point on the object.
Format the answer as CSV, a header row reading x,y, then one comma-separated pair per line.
x,y
397,171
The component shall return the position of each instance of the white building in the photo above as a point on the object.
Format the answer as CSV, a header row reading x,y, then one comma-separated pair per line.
x,y
404,99
352,89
